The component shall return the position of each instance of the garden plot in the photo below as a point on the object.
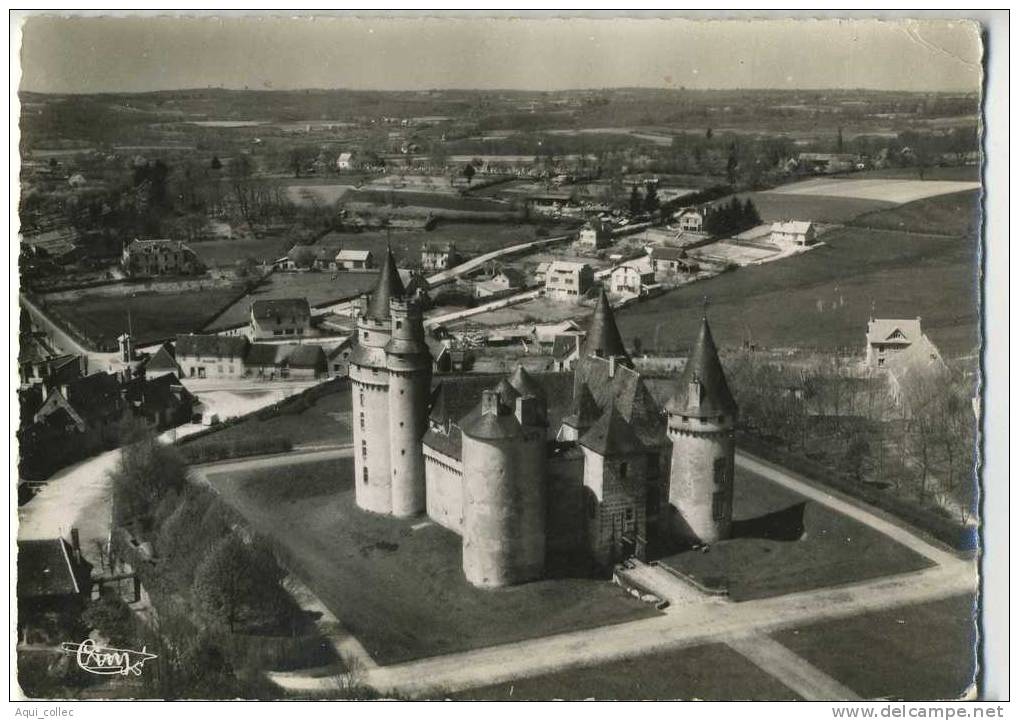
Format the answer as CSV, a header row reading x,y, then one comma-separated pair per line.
x,y
316,194
881,189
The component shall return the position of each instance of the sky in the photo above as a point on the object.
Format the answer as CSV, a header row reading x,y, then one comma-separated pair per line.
x,y
137,54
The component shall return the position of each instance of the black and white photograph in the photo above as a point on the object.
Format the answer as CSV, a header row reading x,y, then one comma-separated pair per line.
x,y
504,356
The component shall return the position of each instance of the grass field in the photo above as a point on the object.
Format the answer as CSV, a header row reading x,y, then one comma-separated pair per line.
x,y
895,190
154,317
227,252
952,172
316,194
439,201
783,543
317,287
823,299
922,652
326,421
955,214
712,672
818,208
402,591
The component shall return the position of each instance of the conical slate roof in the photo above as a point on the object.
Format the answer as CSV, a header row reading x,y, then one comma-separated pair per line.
x,y
507,393
389,286
524,383
584,411
703,366
611,435
603,337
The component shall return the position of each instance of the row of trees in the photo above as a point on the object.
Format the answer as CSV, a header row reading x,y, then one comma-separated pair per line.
x,y
732,217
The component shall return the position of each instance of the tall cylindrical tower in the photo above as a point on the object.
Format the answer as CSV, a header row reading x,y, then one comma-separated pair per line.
x,y
369,378
410,374
504,503
701,420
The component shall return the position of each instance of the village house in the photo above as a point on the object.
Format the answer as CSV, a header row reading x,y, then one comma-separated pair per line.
x,y
595,235
631,279
54,585
437,258
793,233
351,259
279,317
568,281
285,360
690,219
147,258
670,263
38,364
886,337
345,161
211,356
161,362
159,403
900,350
505,281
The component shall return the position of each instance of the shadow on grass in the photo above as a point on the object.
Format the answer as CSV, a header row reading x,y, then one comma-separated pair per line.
x,y
784,525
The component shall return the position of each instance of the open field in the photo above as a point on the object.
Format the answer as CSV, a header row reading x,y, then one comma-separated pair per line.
x,y
882,189
921,652
320,194
325,421
227,252
401,591
154,316
823,299
961,173
712,672
954,214
774,206
317,286
782,543
436,200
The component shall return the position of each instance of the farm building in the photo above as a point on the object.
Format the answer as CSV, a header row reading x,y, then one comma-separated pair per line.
x,y
146,258
793,233
285,360
568,280
349,259
56,245
595,235
668,263
279,317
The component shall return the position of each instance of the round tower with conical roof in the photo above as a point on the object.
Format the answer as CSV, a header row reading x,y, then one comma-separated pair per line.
x,y
504,504
409,364
369,378
603,339
701,421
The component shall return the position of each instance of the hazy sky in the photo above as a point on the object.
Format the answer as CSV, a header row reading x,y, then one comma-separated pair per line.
x,y
95,54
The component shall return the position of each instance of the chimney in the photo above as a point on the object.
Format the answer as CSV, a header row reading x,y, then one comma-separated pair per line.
x,y
528,411
490,402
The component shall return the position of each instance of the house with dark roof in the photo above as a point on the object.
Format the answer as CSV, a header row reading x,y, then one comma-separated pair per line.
x,y
160,256
159,403
279,317
668,263
162,361
211,356
54,583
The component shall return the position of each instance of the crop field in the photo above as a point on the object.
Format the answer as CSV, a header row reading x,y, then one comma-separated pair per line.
x,y
783,543
317,286
970,173
823,298
956,214
399,586
920,652
154,316
882,189
222,253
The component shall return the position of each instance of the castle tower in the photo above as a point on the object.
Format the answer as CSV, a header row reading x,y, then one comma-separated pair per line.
x,y
603,338
504,503
410,377
701,418
369,378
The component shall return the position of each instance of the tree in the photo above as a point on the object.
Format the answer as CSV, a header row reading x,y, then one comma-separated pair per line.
x,y
855,456
468,172
112,617
651,203
215,164
709,134
303,257
240,582
146,473
636,203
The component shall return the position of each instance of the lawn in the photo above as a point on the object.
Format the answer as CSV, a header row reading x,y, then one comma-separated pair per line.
x,y
823,298
401,591
227,252
895,190
783,543
317,286
154,316
712,672
921,652
956,214
325,421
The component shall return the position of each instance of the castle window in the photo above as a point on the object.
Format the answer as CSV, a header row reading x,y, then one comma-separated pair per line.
x,y
403,452
721,472
364,449
366,335
399,324
362,421
719,505
364,474
629,514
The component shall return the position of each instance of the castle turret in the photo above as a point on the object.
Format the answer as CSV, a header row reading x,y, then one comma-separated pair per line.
x,y
504,504
410,374
369,377
701,418
603,338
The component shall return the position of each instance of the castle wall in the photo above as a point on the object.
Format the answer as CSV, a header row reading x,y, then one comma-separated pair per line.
x,y
701,480
504,510
615,505
565,529
444,489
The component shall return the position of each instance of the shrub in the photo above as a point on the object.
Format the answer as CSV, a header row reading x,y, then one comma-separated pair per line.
x,y
212,451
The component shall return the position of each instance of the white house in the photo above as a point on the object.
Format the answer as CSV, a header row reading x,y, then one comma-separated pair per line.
x,y
568,280
690,219
354,260
886,337
595,235
345,161
793,233
630,279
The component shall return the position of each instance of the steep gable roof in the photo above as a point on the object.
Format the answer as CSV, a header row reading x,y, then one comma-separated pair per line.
x,y
903,330
220,346
525,384
705,368
611,435
281,307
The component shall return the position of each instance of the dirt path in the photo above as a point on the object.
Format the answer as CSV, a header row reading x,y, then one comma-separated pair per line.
x,y
795,672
